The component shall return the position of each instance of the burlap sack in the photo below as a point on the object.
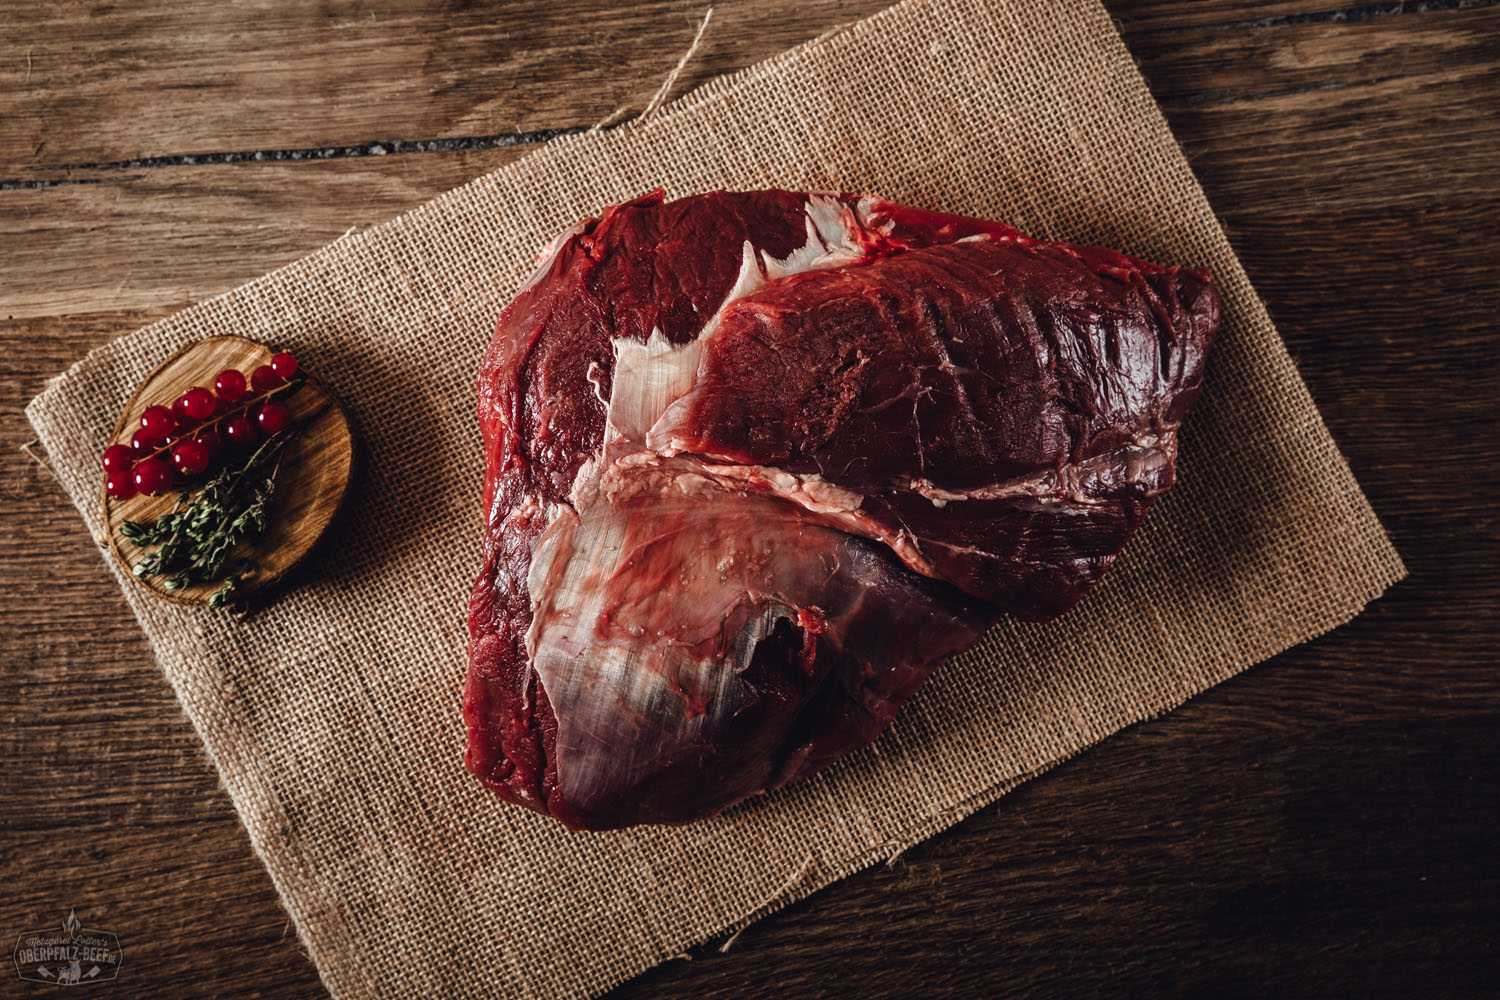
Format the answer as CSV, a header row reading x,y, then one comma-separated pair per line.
x,y
333,717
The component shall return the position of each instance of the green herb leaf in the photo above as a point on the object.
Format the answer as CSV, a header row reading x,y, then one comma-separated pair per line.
x,y
196,539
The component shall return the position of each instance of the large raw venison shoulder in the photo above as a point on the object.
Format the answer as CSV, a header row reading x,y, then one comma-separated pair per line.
x,y
757,462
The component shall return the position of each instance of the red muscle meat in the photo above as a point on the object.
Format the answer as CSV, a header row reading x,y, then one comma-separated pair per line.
x,y
757,462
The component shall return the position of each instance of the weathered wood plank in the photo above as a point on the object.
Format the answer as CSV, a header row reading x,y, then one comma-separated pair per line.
x,y
86,83
1136,17
226,934
1219,69
1260,131
1240,865
1336,116
140,239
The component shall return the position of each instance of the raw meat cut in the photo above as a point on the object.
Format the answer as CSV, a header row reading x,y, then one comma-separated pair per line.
x,y
757,462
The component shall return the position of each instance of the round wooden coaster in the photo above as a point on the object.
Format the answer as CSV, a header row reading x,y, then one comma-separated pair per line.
x,y
316,468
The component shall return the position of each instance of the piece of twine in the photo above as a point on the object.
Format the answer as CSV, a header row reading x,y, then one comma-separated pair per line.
x,y
665,90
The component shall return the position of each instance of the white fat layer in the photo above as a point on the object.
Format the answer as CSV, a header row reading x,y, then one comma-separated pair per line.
x,y
833,240
649,376
599,682
599,650
870,206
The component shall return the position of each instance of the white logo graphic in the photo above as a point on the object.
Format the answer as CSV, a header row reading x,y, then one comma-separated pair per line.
x,y
66,957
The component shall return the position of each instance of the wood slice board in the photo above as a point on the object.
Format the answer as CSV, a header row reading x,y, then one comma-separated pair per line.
x,y
316,469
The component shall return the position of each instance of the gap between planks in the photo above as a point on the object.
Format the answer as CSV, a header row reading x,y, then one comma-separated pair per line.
x,y
397,146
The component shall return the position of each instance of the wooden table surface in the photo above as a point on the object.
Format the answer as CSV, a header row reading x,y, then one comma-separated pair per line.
x,y
1324,825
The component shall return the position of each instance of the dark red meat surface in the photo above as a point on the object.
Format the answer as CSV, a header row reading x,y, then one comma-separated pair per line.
x,y
757,462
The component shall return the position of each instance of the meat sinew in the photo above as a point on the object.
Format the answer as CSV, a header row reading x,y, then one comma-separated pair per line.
x,y
757,462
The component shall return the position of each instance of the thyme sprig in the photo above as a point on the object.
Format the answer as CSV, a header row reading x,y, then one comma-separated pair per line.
x,y
196,539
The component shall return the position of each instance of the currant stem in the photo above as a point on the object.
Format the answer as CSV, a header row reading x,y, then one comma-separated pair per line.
x,y
237,409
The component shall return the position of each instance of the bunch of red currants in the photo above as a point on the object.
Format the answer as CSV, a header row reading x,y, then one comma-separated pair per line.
x,y
186,437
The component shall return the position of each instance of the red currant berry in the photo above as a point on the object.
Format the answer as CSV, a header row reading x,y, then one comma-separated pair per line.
x,y
157,422
190,458
284,365
210,438
198,403
274,417
117,458
152,476
230,385
120,484
240,432
264,379
141,445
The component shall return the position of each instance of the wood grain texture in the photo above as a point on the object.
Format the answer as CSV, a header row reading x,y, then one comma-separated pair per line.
x,y
1322,825
1178,15
96,83
1266,116
178,234
312,472
116,82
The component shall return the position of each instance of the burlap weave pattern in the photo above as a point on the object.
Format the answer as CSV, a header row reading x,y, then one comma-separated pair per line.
x,y
333,716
